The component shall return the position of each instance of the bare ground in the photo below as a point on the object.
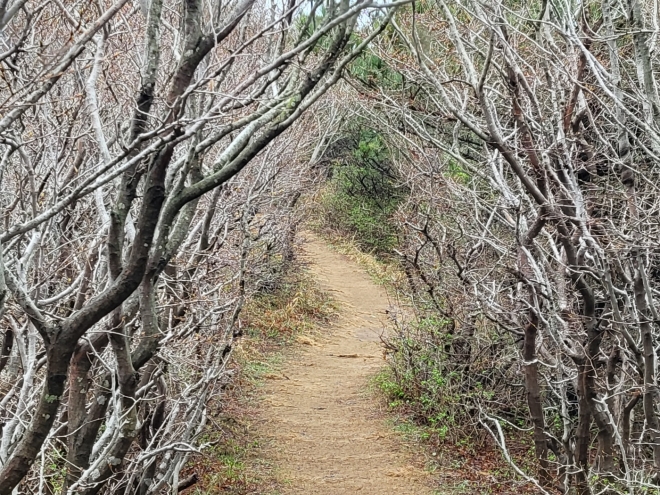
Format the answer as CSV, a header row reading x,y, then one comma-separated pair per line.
x,y
319,427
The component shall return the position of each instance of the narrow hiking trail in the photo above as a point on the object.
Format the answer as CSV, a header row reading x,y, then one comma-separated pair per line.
x,y
320,426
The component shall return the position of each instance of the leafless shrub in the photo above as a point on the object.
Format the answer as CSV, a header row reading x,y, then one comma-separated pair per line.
x,y
121,279
527,135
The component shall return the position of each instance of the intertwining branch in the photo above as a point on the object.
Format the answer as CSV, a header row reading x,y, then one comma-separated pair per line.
x,y
121,279
528,135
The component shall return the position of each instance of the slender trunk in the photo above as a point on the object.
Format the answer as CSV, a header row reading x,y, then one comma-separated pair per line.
x,y
7,345
83,424
534,398
582,433
650,387
625,420
44,417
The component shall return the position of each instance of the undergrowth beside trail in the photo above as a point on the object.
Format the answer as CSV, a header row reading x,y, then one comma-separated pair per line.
x,y
270,322
460,463
297,306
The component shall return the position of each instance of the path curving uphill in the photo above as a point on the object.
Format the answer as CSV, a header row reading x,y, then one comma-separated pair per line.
x,y
320,427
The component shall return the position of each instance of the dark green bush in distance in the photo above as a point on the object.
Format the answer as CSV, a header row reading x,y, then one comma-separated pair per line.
x,y
361,196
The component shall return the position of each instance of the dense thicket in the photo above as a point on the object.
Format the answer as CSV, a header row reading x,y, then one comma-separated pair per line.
x,y
152,155
528,137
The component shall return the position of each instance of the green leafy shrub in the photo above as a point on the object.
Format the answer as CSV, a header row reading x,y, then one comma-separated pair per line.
x,y
361,194
443,378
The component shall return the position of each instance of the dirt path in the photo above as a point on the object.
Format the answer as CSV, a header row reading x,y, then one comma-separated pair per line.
x,y
321,428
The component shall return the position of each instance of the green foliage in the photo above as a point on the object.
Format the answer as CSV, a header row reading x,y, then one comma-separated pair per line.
x,y
386,383
429,388
361,195
456,172
418,381
305,25
436,376
372,71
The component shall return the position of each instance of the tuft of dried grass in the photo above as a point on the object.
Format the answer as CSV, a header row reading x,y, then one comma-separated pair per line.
x,y
296,307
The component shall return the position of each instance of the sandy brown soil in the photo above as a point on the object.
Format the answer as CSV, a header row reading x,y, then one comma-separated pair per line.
x,y
319,425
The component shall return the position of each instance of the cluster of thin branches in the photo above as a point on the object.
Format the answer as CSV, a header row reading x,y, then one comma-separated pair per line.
x,y
529,137
121,279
